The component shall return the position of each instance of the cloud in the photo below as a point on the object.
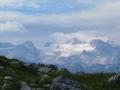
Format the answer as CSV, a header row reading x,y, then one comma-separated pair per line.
x,y
88,2
11,26
45,3
62,38
96,18
19,4
68,44
101,19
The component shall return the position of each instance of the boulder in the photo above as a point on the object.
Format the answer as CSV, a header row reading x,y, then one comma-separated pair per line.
x,y
63,83
114,79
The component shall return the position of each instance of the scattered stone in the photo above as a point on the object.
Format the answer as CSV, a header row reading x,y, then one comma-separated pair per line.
x,y
47,68
5,86
26,64
9,83
14,62
44,69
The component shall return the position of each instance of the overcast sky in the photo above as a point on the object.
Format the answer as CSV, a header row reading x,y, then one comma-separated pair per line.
x,y
34,20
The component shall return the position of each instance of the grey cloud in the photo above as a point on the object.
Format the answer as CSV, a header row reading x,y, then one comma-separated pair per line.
x,y
103,19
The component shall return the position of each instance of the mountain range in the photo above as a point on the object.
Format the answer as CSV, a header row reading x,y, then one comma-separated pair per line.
x,y
77,56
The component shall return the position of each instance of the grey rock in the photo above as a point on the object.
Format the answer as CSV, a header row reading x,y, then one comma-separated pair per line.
x,y
5,86
45,76
47,68
64,69
114,79
15,62
33,89
63,83
8,83
1,78
1,67
8,78
47,85
24,86
40,89
44,69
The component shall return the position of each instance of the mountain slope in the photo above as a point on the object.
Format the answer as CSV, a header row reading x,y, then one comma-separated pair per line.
x,y
93,56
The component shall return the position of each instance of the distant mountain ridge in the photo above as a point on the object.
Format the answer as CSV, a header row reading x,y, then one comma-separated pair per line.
x,y
5,45
26,52
93,56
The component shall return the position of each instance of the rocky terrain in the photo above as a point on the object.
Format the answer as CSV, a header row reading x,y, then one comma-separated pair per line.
x,y
17,75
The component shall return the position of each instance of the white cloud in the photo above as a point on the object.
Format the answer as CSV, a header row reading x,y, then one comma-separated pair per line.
x,y
105,16
73,43
88,2
19,3
62,38
102,19
102,14
12,27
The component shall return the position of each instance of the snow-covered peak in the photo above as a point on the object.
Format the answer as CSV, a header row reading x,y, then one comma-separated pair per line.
x,y
98,42
72,49
68,44
97,55
103,46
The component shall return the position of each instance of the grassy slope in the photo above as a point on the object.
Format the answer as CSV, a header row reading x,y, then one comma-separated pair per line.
x,y
28,74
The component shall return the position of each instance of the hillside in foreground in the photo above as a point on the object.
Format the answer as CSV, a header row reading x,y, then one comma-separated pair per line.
x,y
17,75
